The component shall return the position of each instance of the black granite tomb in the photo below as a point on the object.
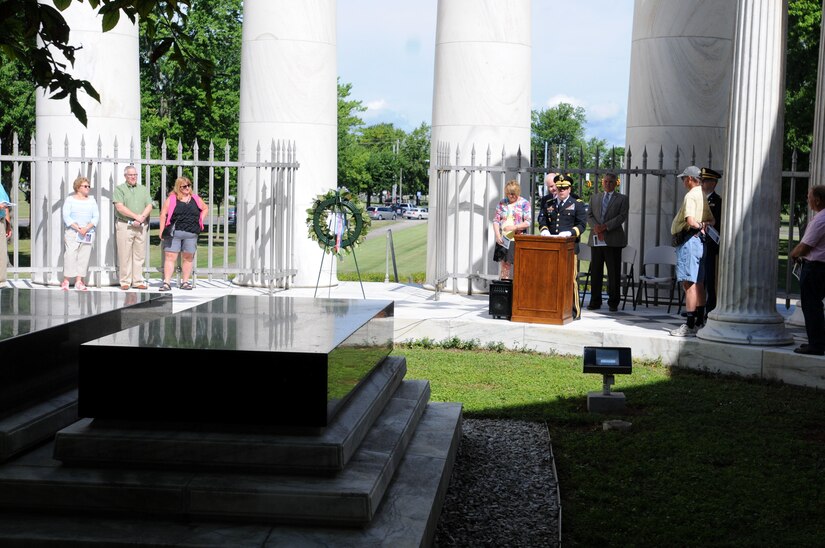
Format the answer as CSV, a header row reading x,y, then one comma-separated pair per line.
x,y
42,329
273,361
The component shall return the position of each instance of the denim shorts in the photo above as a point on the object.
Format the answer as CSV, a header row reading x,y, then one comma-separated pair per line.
x,y
689,264
181,241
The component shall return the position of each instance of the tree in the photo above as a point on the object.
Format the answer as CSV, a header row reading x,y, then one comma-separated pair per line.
x,y
383,163
414,157
800,78
561,127
173,103
352,157
17,102
35,33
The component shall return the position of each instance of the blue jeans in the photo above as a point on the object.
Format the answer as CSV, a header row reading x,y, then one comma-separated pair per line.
x,y
812,286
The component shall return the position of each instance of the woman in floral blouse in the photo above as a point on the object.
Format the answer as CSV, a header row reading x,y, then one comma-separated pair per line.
x,y
512,217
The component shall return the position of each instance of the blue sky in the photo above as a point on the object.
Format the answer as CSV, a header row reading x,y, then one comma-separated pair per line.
x,y
581,55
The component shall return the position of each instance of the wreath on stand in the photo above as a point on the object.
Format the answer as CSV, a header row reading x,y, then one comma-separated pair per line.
x,y
339,222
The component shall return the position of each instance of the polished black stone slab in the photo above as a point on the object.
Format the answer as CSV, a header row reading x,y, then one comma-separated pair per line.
x,y
245,360
42,329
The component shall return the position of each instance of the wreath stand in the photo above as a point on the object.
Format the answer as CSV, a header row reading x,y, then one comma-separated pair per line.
x,y
337,208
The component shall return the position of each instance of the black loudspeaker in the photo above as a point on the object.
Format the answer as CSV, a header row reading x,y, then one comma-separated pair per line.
x,y
501,299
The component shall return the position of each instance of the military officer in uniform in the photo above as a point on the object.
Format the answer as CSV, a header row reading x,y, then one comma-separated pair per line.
x,y
709,180
566,215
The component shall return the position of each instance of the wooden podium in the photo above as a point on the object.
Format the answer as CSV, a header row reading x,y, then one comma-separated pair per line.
x,y
543,279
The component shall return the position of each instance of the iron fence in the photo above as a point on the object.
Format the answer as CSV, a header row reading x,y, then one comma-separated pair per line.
x,y
647,180
214,178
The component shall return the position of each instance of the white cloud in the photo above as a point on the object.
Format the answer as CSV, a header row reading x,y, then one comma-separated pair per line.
x,y
376,105
556,100
603,111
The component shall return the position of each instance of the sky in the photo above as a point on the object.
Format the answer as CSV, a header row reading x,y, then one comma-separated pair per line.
x,y
580,49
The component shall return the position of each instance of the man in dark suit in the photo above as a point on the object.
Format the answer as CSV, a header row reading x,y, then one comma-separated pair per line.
x,y
709,180
606,217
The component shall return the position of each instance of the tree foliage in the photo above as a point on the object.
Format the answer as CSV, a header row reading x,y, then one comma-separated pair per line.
x,y
800,78
352,158
174,104
371,159
37,35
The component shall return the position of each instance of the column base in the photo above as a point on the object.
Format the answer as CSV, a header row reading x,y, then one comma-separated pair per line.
x,y
766,332
797,318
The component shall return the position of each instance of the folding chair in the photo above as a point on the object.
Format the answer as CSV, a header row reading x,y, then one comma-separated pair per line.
x,y
659,256
584,255
628,279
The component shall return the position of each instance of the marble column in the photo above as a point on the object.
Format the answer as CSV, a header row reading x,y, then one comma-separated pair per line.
x,y
817,159
288,92
746,311
110,62
481,100
680,67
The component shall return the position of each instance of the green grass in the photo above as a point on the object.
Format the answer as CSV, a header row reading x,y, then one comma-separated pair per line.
x,y
410,254
709,460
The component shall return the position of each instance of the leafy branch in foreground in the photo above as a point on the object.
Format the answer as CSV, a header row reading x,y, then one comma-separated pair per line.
x,y
38,36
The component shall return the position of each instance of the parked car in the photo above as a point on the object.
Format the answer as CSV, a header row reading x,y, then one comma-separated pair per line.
x,y
231,215
381,213
400,209
417,213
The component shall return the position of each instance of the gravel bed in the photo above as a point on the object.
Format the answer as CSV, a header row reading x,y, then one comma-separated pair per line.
x,y
503,490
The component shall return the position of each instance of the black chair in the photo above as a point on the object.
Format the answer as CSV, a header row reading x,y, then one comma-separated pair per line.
x,y
628,279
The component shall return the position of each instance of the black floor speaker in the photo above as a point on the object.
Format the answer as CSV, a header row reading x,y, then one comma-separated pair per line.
x,y
501,299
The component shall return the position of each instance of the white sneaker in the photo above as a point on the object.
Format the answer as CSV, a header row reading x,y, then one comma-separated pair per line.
x,y
684,331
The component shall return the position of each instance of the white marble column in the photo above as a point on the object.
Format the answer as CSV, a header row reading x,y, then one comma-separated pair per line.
x,y
110,62
680,67
288,92
817,160
746,312
481,99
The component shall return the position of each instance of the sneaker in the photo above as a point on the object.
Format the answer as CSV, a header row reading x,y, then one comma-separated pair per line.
x,y
684,331
80,286
65,285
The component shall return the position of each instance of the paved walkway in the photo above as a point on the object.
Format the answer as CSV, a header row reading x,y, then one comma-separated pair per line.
x,y
420,313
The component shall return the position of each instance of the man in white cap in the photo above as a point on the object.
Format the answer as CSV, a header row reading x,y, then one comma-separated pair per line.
x,y
689,240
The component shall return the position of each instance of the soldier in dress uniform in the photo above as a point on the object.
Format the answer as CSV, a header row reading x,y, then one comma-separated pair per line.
x,y
565,216
709,180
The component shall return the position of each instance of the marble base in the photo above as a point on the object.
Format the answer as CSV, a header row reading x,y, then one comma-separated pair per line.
x,y
88,443
276,361
771,332
406,518
35,424
50,326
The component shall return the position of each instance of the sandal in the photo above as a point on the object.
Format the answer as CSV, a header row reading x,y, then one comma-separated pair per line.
x,y
186,285
165,287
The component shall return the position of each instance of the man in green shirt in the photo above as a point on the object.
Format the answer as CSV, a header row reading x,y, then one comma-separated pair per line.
x,y
133,206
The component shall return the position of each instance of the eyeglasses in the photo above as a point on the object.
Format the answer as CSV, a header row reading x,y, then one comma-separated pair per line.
x,y
85,186
131,174
185,186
